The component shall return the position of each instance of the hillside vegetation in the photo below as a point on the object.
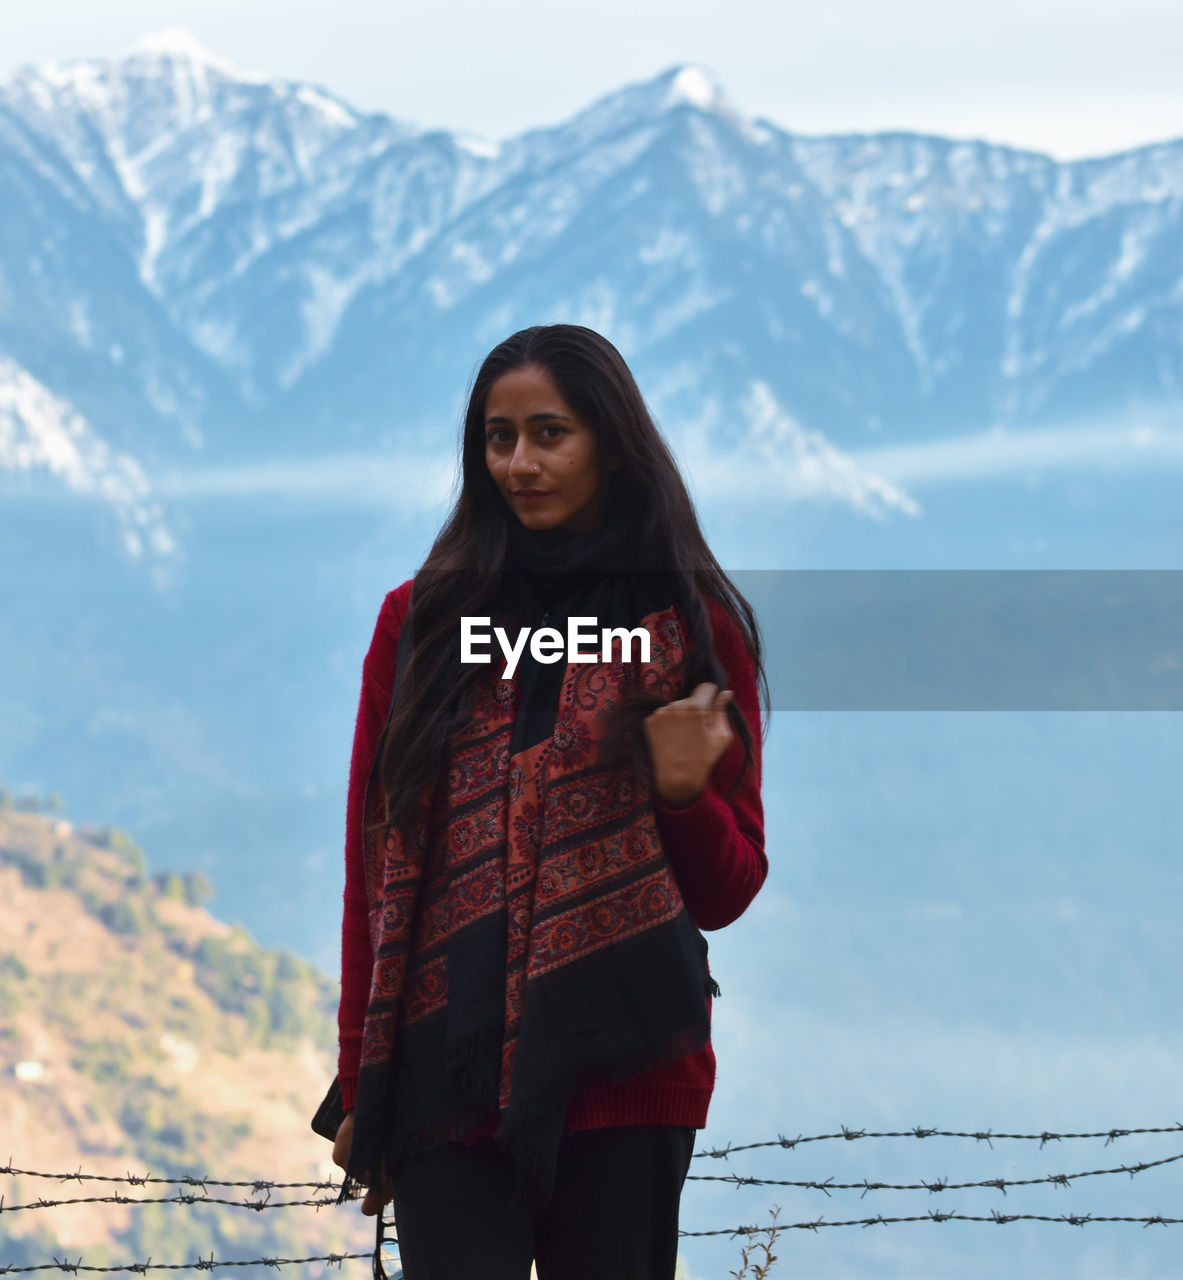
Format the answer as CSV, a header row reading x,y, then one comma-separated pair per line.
x,y
140,1034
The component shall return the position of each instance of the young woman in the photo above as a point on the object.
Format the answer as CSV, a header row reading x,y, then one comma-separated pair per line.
x,y
531,857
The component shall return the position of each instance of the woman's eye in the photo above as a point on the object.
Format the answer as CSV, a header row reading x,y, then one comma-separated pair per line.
x,y
553,431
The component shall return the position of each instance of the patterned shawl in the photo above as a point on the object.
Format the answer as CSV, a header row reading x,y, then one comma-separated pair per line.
x,y
528,932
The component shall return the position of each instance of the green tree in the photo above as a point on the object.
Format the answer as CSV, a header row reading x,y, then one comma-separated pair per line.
x,y
198,889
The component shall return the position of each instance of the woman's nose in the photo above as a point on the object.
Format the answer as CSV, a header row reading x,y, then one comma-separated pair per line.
x,y
522,463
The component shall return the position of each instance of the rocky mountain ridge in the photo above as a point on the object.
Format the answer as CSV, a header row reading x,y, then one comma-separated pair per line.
x,y
204,263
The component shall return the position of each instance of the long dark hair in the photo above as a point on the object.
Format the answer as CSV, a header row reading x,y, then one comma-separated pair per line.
x,y
465,569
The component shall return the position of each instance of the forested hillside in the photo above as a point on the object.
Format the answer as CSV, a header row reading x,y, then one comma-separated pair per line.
x,y
140,1034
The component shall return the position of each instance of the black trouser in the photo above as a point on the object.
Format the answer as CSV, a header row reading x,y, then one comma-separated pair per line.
x,y
614,1212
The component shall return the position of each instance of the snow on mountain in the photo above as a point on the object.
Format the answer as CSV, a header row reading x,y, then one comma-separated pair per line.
x,y
325,279
688,85
927,211
75,314
777,459
40,434
169,132
183,49
206,171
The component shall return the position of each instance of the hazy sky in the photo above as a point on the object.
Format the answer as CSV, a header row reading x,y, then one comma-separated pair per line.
x,y
1071,77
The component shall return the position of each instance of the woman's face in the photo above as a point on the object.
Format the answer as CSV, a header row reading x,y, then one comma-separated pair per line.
x,y
542,455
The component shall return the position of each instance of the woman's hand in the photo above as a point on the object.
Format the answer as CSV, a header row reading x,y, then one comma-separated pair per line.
x,y
686,739
372,1202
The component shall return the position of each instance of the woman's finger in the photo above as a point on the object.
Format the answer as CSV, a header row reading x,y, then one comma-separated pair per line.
x,y
373,1201
703,695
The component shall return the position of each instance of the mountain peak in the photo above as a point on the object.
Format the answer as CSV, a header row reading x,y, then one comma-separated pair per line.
x,y
179,45
686,84
692,83
175,42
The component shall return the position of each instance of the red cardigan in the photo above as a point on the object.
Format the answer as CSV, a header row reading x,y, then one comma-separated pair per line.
x,y
715,846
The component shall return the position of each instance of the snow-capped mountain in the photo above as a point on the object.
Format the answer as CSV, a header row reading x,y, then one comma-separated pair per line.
x,y
197,258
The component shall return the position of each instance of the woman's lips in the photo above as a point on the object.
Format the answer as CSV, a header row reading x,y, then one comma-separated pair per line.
x,y
528,495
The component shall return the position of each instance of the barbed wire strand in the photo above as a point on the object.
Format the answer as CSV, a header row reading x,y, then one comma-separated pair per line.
x,y
849,1135
979,1135
185,1180
179,1198
736,1179
939,1184
202,1264
935,1215
816,1224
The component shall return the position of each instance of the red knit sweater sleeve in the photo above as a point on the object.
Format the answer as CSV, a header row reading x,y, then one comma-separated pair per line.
x,y
357,957
716,844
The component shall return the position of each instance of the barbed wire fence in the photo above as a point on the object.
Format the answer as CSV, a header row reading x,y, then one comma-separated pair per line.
x,y
260,1195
